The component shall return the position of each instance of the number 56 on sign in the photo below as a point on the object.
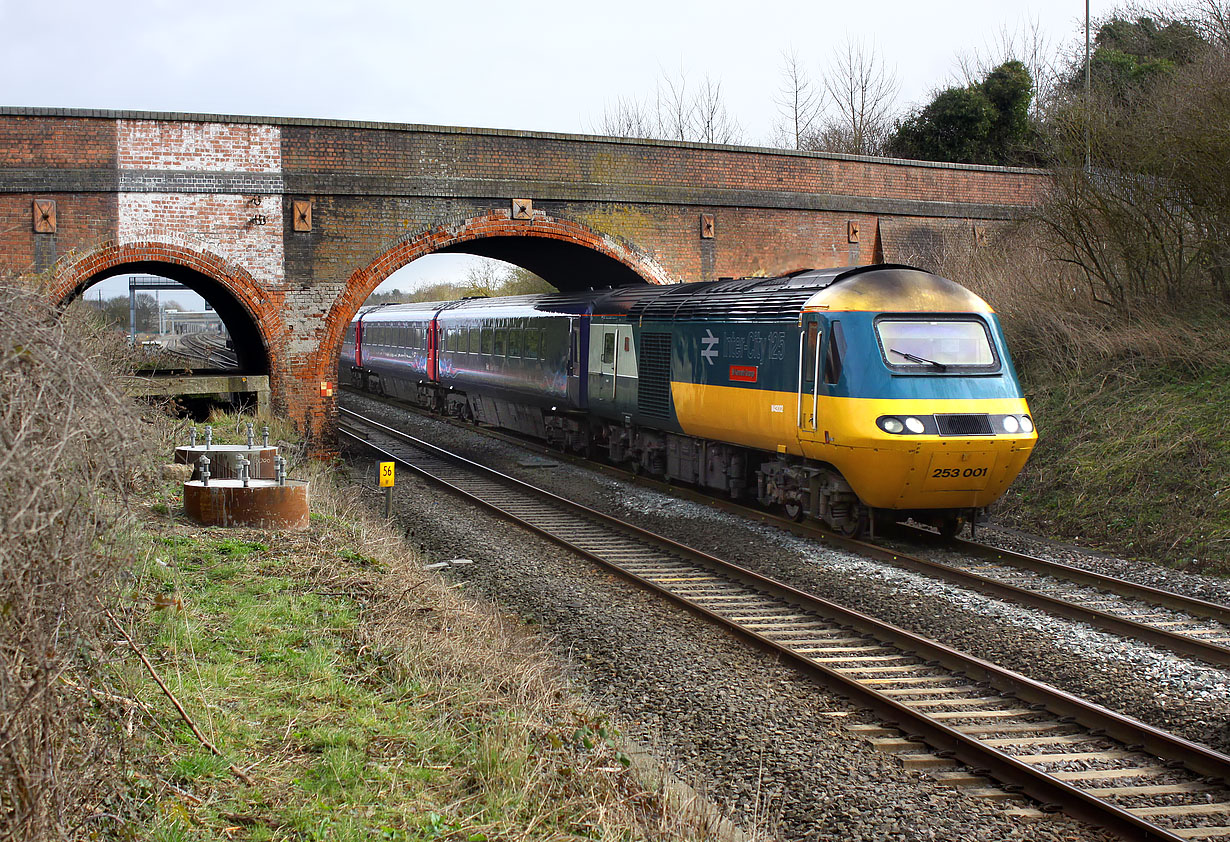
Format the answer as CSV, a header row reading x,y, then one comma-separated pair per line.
x,y
386,474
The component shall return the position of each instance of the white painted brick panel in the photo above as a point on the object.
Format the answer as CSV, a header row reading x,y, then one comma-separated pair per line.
x,y
211,224
208,147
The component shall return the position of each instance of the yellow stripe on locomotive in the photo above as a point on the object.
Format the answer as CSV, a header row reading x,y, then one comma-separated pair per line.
x,y
909,471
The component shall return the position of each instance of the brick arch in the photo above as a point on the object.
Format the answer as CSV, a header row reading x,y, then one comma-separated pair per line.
x,y
493,224
260,306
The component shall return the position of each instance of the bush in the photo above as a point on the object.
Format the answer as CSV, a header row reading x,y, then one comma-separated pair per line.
x,y
64,477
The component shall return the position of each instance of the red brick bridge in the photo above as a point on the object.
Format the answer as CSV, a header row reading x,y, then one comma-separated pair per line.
x,y
286,225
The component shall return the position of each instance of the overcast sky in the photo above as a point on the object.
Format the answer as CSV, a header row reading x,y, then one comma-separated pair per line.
x,y
520,64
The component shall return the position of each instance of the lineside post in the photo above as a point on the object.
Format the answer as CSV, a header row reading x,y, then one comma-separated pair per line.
x,y
386,482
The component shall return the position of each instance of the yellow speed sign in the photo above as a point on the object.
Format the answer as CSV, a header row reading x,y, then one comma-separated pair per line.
x,y
386,474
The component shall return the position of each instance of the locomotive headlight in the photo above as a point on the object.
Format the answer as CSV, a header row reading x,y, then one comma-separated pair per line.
x,y
914,425
1027,425
891,425
1011,425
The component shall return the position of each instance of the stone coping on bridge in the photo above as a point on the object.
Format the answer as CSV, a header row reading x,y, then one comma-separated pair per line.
x,y
195,117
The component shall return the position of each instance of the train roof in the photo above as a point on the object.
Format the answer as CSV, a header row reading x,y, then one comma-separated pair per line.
x,y
886,286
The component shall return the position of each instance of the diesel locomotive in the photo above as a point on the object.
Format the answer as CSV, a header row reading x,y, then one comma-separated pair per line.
x,y
842,394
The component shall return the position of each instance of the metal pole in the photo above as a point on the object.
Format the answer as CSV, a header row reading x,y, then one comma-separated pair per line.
x,y
388,502
132,313
1088,92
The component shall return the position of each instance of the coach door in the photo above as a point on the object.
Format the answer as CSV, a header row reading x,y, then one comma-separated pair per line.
x,y
809,367
578,363
433,347
606,337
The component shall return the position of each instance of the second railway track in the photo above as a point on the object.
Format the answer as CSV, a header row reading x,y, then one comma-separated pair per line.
x,y
1064,752
1174,622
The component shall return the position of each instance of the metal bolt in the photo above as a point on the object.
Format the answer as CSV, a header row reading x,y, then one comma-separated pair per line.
x,y
280,468
209,436
251,441
192,438
203,465
265,435
243,469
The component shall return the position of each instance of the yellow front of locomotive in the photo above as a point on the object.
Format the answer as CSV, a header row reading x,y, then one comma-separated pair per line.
x,y
909,392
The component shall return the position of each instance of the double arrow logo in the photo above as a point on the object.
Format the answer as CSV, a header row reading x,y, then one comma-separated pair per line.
x,y
709,352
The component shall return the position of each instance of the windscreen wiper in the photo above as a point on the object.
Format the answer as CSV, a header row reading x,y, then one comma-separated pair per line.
x,y
914,358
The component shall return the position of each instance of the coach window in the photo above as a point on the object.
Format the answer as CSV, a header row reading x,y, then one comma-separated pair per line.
x,y
608,348
501,342
472,339
533,338
514,341
486,340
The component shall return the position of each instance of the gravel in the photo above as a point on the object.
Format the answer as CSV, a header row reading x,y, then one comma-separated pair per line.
x,y
1209,588
762,741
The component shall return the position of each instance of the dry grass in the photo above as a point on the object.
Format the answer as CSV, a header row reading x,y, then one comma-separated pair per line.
x,y
1132,454
68,463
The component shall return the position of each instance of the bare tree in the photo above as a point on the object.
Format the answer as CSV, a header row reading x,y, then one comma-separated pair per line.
x,y
674,108
799,103
676,112
862,92
1213,21
628,117
711,123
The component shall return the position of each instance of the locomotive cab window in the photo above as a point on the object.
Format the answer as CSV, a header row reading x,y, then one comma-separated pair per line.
x,y
832,357
809,352
933,346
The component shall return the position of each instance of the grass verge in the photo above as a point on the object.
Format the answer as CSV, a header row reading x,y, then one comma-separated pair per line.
x,y
1136,464
1131,408
351,695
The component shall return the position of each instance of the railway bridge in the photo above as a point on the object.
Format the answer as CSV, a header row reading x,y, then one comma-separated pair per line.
x,y
286,225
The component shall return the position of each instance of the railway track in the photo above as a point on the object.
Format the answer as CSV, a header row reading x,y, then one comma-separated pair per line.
x,y
209,348
1060,750
1174,622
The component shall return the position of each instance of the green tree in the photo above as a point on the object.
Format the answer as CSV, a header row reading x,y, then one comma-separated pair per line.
x,y
1129,56
982,123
